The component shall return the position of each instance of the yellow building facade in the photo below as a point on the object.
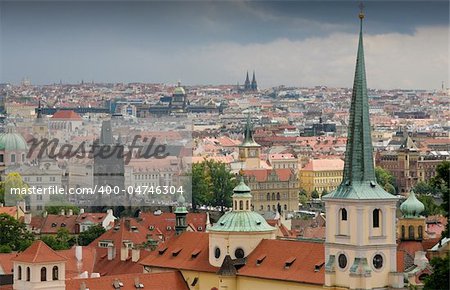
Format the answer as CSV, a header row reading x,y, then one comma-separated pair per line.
x,y
321,175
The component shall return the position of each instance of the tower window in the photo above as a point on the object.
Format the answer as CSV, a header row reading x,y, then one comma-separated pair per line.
x,y
43,274
247,205
420,232
241,205
376,218
411,232
239,253
343,214
403,232
28,274
342,260
235,204
378,261
217,253
55,273
19,273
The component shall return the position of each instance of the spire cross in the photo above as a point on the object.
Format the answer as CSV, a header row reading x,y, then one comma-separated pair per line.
x,y
361,11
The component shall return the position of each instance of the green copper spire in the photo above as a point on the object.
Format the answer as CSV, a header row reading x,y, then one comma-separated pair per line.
x,y
359,181
358,156
248,135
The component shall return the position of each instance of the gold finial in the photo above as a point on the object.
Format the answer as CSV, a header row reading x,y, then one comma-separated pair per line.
x,y
361,11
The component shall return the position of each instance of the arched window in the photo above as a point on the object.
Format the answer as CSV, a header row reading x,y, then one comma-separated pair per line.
x,y
278,196
268,208
343,214
403,232
273,195
411,232
235,204
376,218
43,274
55,273
28,274
246,205
420,232
285,207
268,196
241,205
19,273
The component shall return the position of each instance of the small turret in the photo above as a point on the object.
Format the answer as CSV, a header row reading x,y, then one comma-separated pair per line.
x,y
412,207
180,215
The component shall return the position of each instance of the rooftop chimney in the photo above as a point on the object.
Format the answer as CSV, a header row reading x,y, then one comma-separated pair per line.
x,y
63,212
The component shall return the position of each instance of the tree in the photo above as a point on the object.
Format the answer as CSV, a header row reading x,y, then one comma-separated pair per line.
x,y
315,194
423,188
439,279
212,184
12,180
442,182
88,236
14,234
62,241
385,179
302,197
431,208
56,207
5,249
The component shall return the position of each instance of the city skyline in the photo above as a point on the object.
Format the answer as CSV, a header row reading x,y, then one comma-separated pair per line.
x,y
287,43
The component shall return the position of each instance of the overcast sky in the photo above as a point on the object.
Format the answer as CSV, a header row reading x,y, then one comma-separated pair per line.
x,y
303,43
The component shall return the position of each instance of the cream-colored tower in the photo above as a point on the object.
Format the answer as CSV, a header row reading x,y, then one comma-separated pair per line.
x,y
39,267
249,150
360,247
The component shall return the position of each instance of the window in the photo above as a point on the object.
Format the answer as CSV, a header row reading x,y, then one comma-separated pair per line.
x,y
344,214
1,158
247,205
342,260
241,205
13,158
285,207
420,232
43,274
239,253
55,273
268,196
376,218
278,196
235,204
378,261
19,273
411,232
403,232
217,253
28,274
273,195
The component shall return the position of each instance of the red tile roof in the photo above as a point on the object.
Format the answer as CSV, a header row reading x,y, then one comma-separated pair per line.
x,y
160,224
39,252
106,267
261,175
411,247
324,165
73,267
6,262
66,114
159,281
188,242
305,256
53,222
122,231
9,210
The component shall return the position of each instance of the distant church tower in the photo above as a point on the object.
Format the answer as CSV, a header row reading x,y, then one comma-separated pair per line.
x,y
360,247
254,85
247,85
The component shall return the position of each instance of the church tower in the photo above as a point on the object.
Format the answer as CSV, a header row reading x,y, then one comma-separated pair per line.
x,y
247,85
249,150
411,226
360,247
254,85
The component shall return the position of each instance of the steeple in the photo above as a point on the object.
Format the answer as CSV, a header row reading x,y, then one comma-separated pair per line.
x,y
180,215
359,179
247,85
248,134
254,84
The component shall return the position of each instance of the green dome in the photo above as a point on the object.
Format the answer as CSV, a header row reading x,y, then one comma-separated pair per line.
x,y
242,221
412,207
181,207
11,141
179,91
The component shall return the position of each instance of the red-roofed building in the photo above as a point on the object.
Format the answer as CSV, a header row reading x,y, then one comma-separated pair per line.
x,y
321,175
66,120
273,189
